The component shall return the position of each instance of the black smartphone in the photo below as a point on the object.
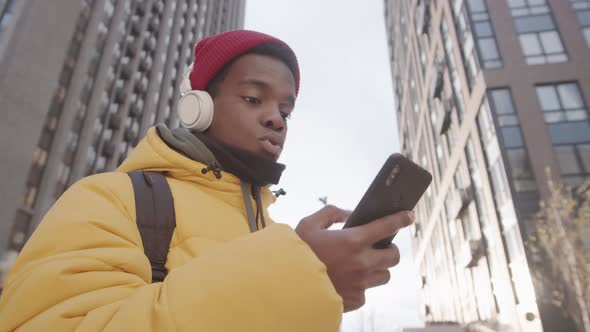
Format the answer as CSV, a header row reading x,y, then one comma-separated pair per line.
x,y
398,186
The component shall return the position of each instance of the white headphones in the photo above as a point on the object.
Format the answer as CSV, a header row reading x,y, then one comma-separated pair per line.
x,y
195,107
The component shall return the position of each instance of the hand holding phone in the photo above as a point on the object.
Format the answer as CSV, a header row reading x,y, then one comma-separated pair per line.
x,y
353,265
398,186
349,254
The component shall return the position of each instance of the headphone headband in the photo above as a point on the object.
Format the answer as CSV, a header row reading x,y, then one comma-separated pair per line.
x,y
195,107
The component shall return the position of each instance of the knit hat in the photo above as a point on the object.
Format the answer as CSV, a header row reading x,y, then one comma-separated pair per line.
x,y
214,52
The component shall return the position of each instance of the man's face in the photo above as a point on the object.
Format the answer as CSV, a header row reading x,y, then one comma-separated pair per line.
x,y
252,104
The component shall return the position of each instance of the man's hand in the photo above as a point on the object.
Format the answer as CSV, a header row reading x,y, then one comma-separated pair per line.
x,y
353,264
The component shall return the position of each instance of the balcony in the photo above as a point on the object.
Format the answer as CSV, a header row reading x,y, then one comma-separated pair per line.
x,y
108,150
134,111
140,9
466,197
131,50
399,89
120,96
477,250
444,120
35,174
464,257
453,204
154,24
426,18
129,135
145,64
115,122
458,200
419,18
157,7
438,82
140,87
69,155
125,72
135,28
149,44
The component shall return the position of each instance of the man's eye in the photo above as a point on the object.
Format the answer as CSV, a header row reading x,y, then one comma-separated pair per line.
x,y
251,100
286,115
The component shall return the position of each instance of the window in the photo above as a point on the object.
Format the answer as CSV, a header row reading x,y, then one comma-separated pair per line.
x,y
543,47
569,128
484,34
454,74
512,140
465,37
503,107
569,132
538,35
414,96
519,162
523,177
582,9
423,27
403,36
30,196
568,162
474,172
534,23
561,102
489,52
475,34
512,137
574,162
422,17
528,7
584,154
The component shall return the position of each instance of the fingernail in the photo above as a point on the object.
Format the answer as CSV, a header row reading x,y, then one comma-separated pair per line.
x,y
412,216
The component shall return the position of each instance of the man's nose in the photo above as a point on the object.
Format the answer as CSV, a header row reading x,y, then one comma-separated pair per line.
x,y
273,119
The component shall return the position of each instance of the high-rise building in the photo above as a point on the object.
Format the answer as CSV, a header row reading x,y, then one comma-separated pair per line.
x,y
492,98
80,83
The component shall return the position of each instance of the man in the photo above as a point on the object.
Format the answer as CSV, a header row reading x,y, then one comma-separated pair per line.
x,y
84,268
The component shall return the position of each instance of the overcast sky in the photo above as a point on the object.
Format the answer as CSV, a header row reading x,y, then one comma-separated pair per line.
x,y
343,127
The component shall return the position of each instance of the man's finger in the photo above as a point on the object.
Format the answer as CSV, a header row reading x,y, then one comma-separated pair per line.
x,y
382,259
378,278
327,216
383,227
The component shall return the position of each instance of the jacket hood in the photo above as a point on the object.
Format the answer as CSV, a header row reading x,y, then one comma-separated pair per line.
x,y
153,154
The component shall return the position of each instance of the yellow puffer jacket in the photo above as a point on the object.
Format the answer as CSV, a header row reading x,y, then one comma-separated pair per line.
x,y
84,268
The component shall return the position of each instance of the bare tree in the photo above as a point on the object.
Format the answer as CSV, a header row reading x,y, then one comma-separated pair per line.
x,y
561,252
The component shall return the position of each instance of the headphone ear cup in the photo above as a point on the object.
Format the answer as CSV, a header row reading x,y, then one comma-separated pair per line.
x,y
195,110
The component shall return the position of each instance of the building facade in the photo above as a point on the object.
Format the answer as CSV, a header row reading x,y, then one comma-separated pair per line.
x,y
492,98
81,81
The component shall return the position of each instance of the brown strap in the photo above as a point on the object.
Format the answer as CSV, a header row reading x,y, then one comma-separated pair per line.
x,y
154,209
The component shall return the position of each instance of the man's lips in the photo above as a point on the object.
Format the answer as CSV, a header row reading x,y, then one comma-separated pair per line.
x,y
272,148
272,143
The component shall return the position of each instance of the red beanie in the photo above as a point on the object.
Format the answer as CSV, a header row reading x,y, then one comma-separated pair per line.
x,y
214,52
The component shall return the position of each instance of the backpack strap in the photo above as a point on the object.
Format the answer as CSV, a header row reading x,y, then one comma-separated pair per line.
x,y
154,210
